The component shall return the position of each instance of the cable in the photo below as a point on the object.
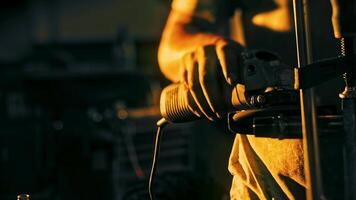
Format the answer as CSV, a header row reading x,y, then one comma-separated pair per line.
x,y
160,124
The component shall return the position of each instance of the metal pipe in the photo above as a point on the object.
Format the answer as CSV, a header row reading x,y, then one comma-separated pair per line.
x,y
307,100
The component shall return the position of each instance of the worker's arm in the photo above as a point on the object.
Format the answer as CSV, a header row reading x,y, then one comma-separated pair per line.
x,y
185,32
190,52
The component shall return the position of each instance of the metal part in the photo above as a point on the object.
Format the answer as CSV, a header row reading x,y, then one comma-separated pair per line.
x,y
282,123
348,97
262,69
177,105
261,99
23,197
326,70
308,108
265,82
349,92
346,47
274,122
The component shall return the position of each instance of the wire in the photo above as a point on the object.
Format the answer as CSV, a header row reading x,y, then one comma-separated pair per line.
x,y
160,124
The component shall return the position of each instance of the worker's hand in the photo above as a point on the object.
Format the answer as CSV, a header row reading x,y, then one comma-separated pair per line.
x,y
207,71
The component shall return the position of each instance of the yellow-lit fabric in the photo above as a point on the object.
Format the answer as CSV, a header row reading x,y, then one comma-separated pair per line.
x,y
266,168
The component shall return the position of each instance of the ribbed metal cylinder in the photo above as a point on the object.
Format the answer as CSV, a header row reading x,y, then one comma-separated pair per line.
x,y
175,104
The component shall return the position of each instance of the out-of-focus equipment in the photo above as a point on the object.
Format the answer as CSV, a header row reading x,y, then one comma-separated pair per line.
x,y
344,14
23,197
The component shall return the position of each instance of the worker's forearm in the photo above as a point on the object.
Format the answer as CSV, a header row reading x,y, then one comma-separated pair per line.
x,y
177,40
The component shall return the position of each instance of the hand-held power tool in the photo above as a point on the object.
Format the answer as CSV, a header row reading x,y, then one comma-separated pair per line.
x,y
265,81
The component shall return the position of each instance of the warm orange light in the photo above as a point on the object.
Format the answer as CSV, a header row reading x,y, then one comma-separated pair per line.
x,y
187,6
277,20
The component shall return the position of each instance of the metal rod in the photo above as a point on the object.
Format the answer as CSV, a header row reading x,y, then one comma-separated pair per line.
x,y
308,108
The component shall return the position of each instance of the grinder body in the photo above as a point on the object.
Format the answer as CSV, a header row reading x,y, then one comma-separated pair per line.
x,y
265,81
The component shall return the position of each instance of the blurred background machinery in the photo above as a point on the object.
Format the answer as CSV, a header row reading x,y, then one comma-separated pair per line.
x,y
79,92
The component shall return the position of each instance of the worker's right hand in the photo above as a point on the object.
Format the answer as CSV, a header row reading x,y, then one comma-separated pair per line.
x,y
202,71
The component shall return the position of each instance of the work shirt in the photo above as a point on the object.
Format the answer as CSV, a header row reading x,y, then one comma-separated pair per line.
x,y
263,168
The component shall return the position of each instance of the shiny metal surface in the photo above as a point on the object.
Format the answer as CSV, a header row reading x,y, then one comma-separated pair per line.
x,y
308,108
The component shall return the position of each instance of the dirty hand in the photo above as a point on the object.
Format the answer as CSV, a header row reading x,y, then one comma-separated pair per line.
x,y
202,71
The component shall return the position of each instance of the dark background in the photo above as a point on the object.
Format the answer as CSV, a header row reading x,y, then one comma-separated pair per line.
x,y
79,92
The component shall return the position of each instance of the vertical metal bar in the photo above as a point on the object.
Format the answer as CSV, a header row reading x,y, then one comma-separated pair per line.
x,y
308,108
